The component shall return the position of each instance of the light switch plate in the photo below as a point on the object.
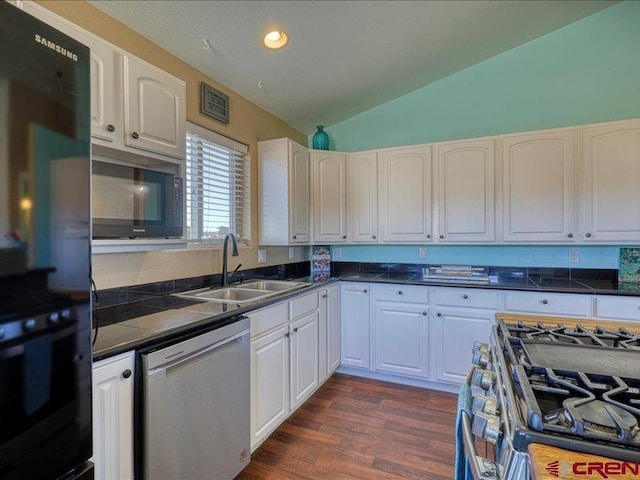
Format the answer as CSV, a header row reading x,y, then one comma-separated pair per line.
x,y
337,253
262,256
422,252
574,256
291,252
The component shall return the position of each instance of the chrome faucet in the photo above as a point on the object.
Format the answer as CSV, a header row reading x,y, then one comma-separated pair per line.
x,y
224,281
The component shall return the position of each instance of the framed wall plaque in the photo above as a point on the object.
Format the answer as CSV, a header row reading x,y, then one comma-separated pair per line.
x,y
214,103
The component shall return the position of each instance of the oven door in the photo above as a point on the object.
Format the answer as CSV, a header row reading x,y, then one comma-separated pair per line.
x,y
45,395
486,422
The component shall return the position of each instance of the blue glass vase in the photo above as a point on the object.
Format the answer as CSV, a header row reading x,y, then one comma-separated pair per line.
x,y
320,139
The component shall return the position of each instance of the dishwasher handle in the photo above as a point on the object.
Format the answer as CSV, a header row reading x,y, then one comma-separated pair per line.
x,y
189,357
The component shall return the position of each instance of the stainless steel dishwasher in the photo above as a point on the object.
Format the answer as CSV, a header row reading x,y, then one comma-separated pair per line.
x,y
197,406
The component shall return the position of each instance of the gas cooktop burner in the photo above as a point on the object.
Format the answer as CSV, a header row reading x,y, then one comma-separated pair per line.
x,y
573,387
594,416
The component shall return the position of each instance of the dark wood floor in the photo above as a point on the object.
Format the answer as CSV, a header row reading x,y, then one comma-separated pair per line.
x,y
356,428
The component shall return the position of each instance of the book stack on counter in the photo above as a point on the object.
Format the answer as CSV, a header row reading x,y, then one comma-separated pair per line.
x,y
455,274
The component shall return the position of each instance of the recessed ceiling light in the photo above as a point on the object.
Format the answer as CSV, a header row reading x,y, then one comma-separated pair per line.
x,y
276,39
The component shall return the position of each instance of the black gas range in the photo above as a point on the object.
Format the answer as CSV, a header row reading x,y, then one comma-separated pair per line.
x,y
572,387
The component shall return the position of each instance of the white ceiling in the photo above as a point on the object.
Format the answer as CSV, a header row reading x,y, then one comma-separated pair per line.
x,y
344,57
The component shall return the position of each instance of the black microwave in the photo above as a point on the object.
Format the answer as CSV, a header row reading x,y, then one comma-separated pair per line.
x,y
133,202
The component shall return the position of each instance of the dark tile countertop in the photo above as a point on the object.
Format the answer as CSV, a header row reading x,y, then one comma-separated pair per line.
x,y
139,317
561,280
146,322
559,285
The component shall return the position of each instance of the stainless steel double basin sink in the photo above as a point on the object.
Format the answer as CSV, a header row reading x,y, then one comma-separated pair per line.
x,y
246,292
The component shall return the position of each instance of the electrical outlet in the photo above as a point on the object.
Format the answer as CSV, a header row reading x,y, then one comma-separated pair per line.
x,y
422,252
337,253
574,256
262,256
291,252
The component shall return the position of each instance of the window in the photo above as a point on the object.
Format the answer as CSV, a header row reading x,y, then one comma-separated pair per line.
x,y
217,187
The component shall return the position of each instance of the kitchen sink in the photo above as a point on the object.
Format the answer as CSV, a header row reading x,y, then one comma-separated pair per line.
x,y
250,291
272,285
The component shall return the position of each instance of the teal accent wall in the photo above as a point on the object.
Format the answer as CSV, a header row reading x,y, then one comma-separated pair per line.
x,y
585,72
497,255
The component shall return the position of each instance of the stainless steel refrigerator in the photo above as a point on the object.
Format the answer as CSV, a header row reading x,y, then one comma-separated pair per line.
x,y
45,231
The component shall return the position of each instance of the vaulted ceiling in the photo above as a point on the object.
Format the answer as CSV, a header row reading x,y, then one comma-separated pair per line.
x,y
344,57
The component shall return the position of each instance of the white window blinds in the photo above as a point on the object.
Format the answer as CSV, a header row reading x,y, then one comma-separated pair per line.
x,y
217,180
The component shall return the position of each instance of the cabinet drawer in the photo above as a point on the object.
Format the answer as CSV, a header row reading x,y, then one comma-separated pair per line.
x,y
303,305
466,297
627,308
264,320
401,293
548,303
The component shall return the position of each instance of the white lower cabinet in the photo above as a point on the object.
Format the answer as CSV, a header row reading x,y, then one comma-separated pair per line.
x,y
113,417
453,333
618,308
328,331
303,348
269,383
401,338
285,356
355,330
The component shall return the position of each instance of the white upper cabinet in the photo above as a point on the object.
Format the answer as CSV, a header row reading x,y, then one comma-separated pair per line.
x,y
329,173
539,186
611,182
405,194
106,119
284,193
466,191
155,108
362,183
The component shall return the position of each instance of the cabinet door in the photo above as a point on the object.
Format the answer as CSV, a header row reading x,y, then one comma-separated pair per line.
x,y
269,383
300,194
405,194
333,329
453,334
362,178
303,341
401,338
355,325
466,209
329,197
611,182
539,186
113,417
323,334
154,109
